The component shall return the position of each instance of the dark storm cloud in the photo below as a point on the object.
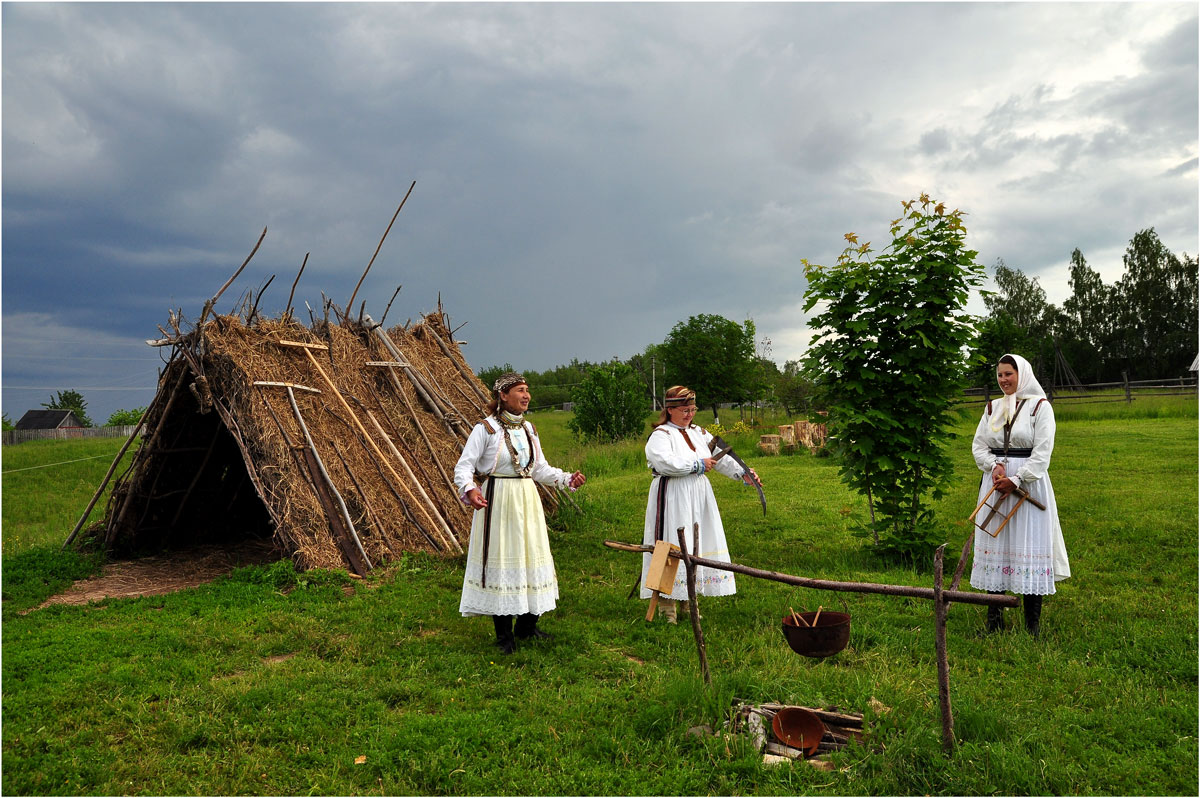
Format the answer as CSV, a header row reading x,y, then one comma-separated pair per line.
x,y
587,174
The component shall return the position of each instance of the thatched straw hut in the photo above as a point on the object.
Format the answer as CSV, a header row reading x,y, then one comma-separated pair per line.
x,y
337,441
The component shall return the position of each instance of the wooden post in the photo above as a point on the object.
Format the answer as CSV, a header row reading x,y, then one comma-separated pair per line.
x,y
689,565
1125,379
962,560
940,608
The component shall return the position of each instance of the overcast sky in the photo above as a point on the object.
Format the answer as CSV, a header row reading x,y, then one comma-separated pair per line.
x,y
586,175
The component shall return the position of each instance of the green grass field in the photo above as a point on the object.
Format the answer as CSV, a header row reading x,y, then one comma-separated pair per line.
x,y
272,682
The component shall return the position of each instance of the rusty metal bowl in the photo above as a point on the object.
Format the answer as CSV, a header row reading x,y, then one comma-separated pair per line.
x,y
828,637
798,728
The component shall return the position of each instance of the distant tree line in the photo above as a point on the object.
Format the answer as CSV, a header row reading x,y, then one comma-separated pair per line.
x,y
718,358
1144,325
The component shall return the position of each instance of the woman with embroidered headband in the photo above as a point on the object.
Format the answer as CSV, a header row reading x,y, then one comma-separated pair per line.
x,y
509,568
1012,447
679,456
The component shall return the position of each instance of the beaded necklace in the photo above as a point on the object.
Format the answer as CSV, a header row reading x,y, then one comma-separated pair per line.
x,y
508,421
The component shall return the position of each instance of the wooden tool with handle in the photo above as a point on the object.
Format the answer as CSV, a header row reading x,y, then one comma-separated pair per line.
x,y
660,578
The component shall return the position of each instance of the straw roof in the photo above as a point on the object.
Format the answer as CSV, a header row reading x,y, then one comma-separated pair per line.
x,y
357,471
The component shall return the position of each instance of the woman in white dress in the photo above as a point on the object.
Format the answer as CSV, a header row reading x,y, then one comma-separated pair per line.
x,y
1012,447
510,571
679,456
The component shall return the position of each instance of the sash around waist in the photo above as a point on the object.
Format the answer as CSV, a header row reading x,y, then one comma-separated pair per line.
x,y
485,477
1012,452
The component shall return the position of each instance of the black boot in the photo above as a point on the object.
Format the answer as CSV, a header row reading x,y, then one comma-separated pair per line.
x,y
1033,615
527,627
504,633
995,615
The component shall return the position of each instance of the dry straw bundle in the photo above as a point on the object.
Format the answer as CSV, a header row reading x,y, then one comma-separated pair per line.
x,y
337,441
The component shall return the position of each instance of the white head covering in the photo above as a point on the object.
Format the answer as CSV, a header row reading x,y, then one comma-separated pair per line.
x,y
1027,388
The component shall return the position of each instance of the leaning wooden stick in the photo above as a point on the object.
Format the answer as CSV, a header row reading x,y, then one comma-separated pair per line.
x,y
307,349
350,304
326,492
431,508
287,312
208,306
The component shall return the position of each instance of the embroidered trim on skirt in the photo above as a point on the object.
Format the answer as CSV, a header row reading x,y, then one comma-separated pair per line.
x,y
689,500
1029,555
520,568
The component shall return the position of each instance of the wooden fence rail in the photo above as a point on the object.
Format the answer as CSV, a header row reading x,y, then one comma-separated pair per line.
x,y
13,436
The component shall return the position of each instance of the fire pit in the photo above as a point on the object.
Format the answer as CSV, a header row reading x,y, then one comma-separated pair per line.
x,y
818,634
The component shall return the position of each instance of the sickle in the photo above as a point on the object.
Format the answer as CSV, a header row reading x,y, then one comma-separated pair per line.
x,y
721,449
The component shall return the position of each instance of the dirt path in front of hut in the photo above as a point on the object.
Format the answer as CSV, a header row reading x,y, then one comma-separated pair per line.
x,y
166,573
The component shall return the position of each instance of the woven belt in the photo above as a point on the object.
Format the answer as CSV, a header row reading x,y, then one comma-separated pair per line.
x,y
489,495
1012,452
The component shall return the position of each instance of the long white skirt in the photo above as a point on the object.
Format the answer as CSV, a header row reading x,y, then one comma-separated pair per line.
x,y
1029,555
520,570
690,500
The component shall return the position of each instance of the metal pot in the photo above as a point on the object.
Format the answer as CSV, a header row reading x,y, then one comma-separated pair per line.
x,y
829,636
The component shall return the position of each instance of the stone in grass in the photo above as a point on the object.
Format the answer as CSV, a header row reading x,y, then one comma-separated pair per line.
x,y
701,731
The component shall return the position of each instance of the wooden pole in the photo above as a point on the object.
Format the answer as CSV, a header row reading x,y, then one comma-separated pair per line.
x,y
312,447
150,440
287,312
412,414
986,599
690,566
467,375
454,544
362,494
940,608
962,560
208,306
432,508
103,484
417,381
350,304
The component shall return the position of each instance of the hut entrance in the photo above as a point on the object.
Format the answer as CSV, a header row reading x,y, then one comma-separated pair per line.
x,y
194,489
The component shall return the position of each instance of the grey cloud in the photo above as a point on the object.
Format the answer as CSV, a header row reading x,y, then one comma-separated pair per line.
x,y
934,142
587,175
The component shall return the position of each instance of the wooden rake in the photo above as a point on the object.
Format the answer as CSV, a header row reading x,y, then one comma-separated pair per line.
x,y
994,509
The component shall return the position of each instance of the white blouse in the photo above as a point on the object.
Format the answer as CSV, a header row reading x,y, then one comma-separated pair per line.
x,y
485,453
669,455
1028,432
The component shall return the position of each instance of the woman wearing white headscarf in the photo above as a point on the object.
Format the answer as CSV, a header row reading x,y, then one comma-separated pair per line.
x,y
1012,447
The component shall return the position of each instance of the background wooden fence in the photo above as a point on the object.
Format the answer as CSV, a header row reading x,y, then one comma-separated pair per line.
x,y
12,436
1124,391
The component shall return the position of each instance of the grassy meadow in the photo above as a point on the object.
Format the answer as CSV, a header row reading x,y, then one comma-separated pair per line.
x,y
274,682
